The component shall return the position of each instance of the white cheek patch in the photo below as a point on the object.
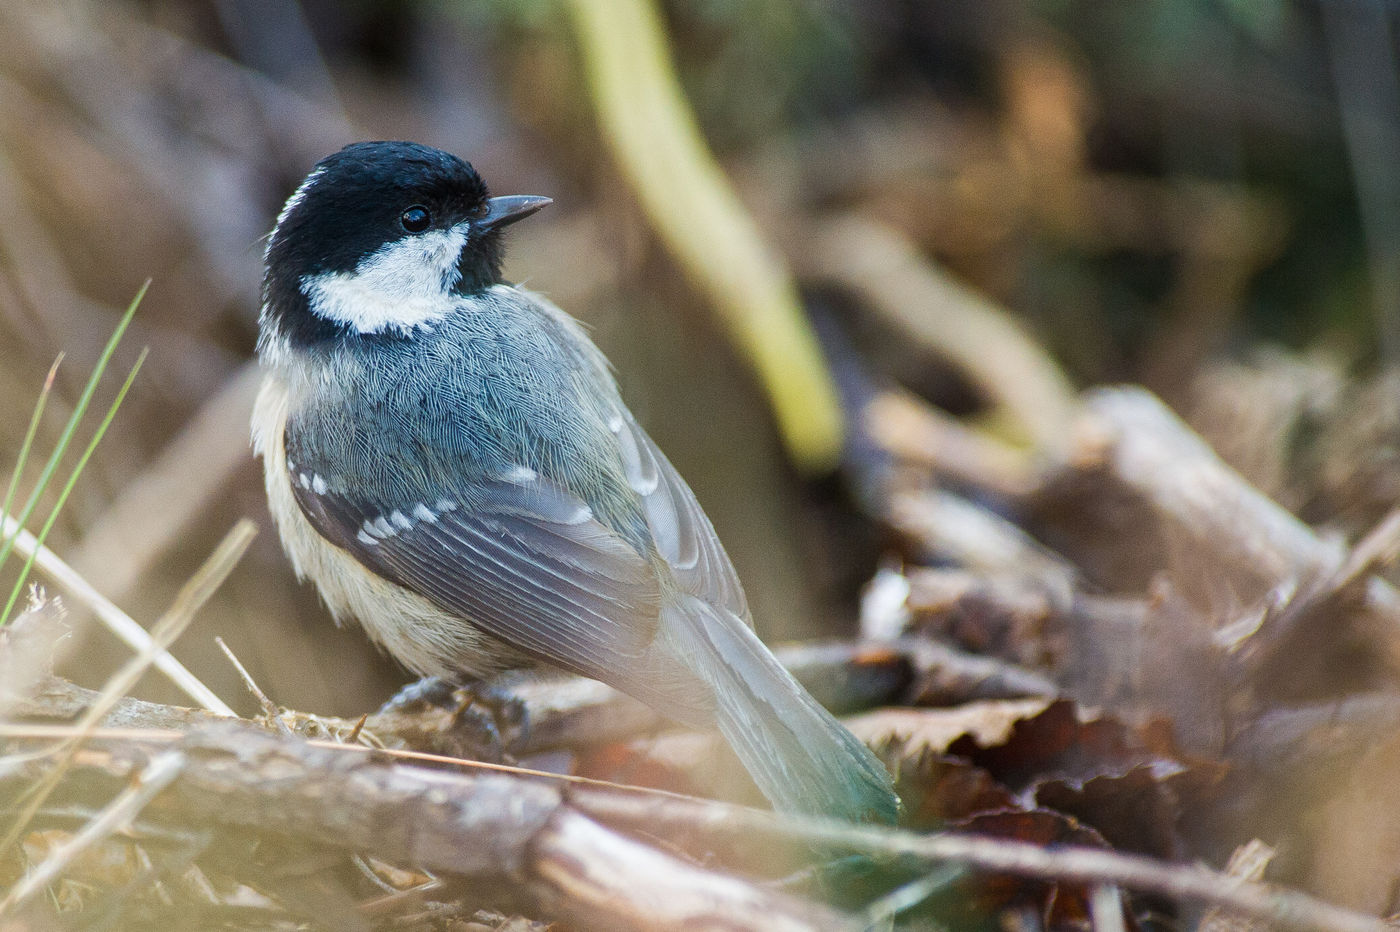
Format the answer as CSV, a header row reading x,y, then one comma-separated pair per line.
x,y
404,286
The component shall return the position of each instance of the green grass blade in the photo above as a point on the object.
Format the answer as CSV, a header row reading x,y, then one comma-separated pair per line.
x,y
69,485
71,427
23,459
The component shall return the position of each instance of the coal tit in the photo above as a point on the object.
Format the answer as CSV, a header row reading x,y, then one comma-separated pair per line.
x,y
447,457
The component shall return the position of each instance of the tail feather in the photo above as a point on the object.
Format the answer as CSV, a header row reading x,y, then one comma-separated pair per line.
x,y
802,759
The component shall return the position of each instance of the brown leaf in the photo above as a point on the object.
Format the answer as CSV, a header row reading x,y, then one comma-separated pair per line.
x,y
1136,811
1062,743
938,789
987,724
1062,905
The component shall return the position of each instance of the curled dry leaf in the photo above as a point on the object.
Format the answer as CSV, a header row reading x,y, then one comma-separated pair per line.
x,y
1060,905
988,724
27,647
954,764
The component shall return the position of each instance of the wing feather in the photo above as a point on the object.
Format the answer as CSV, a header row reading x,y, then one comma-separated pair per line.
x,y
531,566
683,534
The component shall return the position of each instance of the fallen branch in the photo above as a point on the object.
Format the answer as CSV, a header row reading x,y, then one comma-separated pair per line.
x,y
476,825
950,528
1140,492
191,597
917,433
718,822
553,840
1135,466
573,712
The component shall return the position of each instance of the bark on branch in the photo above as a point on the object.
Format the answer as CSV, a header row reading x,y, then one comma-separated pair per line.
x,y
483,826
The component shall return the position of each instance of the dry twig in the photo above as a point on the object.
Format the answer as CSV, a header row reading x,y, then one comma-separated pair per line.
x,y
187,602
119,622
486,825
495,824
573,712
159,773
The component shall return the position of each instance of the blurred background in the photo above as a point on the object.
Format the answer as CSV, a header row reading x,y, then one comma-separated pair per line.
x,y
1198,195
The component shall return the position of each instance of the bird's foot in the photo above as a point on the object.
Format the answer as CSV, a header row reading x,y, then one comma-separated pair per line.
x,y
486,715
428,693
505,713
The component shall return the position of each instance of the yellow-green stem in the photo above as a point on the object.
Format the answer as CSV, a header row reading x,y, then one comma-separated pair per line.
x,y
652,132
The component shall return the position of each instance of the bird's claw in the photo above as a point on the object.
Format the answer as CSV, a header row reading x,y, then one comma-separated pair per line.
x,y
429,692
494,719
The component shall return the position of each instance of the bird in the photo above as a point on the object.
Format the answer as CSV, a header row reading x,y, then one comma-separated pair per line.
x,y
447,457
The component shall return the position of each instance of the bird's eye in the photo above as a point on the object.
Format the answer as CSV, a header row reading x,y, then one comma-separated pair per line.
x,y
415,219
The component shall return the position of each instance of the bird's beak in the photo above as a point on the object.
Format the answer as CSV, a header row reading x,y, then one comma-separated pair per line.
x,y
503,211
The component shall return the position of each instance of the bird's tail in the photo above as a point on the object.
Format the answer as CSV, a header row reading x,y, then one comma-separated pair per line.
x,y
802,759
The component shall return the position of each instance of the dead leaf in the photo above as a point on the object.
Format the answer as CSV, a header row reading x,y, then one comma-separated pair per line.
x,y
988,724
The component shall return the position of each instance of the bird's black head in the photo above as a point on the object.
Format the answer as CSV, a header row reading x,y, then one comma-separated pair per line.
x,y
382,237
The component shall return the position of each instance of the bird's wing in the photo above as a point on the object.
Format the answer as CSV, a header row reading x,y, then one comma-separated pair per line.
x,y
683,534
526,562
